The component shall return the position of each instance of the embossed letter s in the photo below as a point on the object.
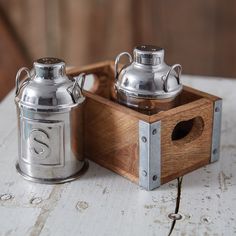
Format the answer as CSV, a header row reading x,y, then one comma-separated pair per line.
x,y
39,143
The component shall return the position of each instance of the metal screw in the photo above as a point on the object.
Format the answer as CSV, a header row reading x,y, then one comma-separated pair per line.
x,y
175,216
144,139
154,131
215,151
154,177
144,173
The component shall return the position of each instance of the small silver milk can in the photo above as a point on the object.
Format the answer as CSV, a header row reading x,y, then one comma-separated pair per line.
x,y
49,107
147,83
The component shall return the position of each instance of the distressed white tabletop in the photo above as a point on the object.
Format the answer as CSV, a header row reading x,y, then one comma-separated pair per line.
x,y
103,203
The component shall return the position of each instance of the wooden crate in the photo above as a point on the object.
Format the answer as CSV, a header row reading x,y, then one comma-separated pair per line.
x,y
148,149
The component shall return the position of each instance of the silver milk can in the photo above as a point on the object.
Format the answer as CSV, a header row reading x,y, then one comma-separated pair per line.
x,y
147,83
49,112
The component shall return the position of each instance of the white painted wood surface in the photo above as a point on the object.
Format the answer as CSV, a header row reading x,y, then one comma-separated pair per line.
x,y
103,203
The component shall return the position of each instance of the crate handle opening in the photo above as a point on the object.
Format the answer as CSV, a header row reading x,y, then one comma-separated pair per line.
x,y
187,131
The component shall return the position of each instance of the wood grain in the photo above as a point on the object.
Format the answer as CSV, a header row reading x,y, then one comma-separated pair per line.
x,y
111,138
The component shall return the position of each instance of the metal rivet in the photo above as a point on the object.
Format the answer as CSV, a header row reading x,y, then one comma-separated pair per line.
x,y
144,139
154,177
144,173
217,109
5,197
154,131
175,216
215,151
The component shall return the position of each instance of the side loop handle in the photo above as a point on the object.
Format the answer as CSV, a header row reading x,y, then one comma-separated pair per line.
x,y
117,62
178,69
82,78
18,87
75,92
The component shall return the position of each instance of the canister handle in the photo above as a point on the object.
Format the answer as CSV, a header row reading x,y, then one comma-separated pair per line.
x,y
179,70
18,87
82,78
117,62
75,94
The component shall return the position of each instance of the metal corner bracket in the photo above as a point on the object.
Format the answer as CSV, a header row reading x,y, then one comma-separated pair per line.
x,y
149,154
215,146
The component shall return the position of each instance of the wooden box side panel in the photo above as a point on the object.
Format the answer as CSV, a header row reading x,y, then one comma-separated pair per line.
x,y
191,152
111,138
201,93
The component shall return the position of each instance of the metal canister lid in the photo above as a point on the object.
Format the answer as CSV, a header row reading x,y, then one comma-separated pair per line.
x,y
147,76
47,86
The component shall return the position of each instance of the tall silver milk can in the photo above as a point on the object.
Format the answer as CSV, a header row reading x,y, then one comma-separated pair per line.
x,y
49,112
147,83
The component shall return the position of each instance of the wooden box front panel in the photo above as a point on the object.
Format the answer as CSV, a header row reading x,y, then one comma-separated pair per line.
x,y
111,138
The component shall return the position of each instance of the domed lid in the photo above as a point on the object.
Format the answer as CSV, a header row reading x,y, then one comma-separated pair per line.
x,y
147,75
47,86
